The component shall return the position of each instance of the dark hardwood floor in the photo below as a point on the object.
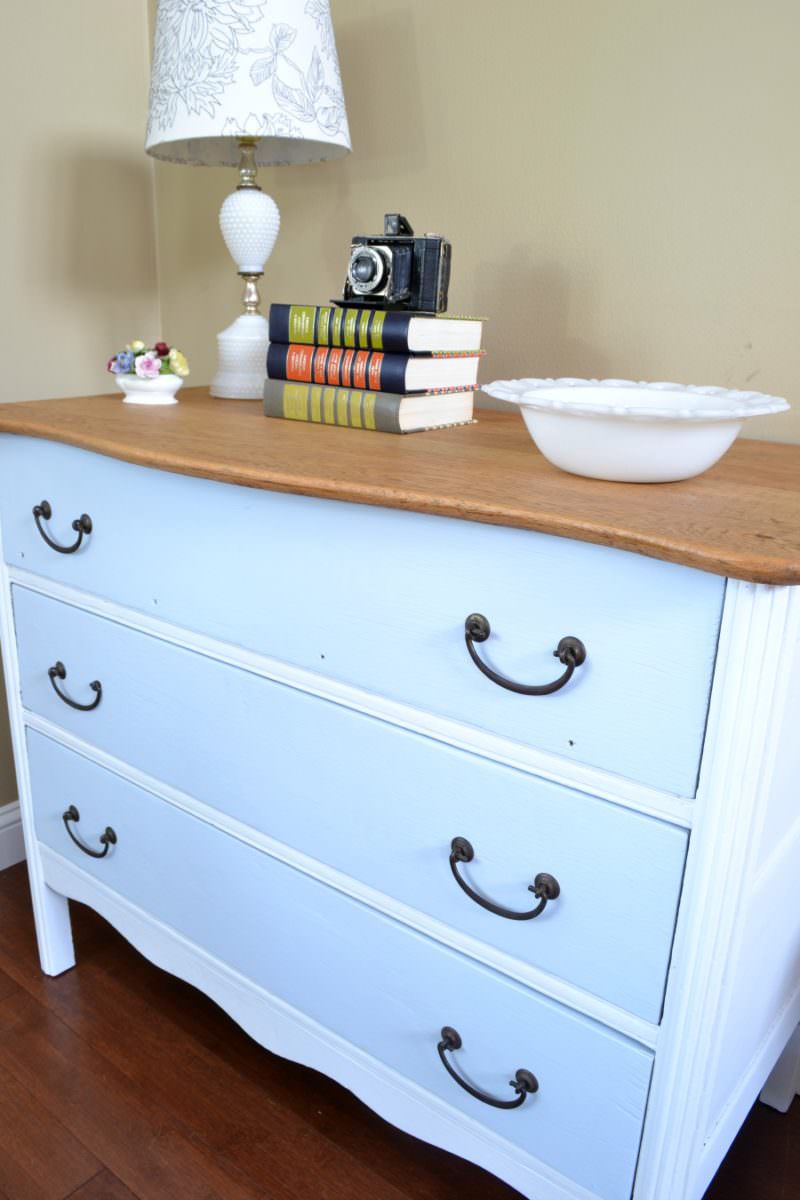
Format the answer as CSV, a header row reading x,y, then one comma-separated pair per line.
x,y
119,1082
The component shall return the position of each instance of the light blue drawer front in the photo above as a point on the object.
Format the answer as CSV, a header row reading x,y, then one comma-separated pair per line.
x,y
376,802
374,982
378,598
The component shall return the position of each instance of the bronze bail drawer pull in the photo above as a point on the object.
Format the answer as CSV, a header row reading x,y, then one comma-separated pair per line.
x,y
59,671
82,525
545,887
107,838
570,650
524,1082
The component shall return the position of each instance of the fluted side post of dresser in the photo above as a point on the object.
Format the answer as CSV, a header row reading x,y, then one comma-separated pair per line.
x,y
733,997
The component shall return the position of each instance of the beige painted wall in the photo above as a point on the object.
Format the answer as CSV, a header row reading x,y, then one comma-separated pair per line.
x,y
76,205
621,182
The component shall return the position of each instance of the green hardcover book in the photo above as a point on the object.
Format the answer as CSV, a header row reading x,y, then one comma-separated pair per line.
x,y
372,329
357,409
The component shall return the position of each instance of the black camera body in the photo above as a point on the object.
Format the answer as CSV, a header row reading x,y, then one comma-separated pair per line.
x,y
397,270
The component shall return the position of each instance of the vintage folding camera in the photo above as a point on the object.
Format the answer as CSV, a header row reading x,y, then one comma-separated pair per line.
x,y
398,270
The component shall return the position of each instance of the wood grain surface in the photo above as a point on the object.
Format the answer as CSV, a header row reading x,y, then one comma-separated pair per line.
x,y
740,519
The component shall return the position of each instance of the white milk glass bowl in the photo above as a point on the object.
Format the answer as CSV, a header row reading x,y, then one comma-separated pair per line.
x,y
631,432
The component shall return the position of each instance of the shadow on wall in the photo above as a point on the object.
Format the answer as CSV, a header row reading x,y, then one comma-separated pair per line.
x,y
547,309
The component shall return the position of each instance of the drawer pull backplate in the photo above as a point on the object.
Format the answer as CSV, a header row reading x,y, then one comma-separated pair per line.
x,y
544,887
107,838
82,525
524,1082
570,651
59,671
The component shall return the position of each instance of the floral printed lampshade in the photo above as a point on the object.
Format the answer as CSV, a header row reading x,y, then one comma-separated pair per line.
x,y
226,69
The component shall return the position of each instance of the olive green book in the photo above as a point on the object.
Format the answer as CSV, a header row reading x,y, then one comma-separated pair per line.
x,y
355,408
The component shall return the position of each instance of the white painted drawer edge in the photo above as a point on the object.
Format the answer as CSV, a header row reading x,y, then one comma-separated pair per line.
x,y
615,788
565,993
287,1032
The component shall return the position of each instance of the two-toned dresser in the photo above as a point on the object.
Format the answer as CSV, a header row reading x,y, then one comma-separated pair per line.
x,y
466,782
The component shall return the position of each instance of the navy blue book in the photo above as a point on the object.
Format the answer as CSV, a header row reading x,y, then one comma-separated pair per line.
x,y
402,374
372,329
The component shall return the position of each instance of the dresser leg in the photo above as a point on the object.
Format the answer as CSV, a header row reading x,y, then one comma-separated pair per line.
x,y
784,1082
53,925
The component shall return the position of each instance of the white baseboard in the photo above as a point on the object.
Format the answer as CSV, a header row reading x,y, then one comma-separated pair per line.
x,y
12,848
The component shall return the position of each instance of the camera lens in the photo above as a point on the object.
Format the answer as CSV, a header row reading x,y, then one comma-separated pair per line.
x,y
367,270
363,268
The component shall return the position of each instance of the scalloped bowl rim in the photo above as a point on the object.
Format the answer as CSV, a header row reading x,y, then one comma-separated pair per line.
x,y
569,397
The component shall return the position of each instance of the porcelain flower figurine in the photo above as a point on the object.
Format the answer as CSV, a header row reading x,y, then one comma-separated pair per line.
x,y
178,363
121,363
149,375
148,365
160,359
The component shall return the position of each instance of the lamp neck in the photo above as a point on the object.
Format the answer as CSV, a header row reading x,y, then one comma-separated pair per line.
x,y
251,298
247,164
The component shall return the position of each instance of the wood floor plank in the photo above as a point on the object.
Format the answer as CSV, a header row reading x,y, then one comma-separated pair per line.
x,y
764,1161
106,1112
174,1100
263,1082
7,984
117,1006
104,1186
19,957
26,1128
271,1092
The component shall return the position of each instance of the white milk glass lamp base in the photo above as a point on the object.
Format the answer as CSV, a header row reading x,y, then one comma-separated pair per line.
x,y
242,356
249,221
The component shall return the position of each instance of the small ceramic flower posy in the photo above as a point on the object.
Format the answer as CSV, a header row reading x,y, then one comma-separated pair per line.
x,y
149,376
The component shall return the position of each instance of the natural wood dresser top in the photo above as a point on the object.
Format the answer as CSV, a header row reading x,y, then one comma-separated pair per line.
x,y
742,518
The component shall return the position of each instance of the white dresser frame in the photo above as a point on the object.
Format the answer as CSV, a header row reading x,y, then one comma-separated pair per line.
x,y
744,858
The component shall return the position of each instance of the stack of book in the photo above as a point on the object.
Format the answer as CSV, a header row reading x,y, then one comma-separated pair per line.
x,y
368,368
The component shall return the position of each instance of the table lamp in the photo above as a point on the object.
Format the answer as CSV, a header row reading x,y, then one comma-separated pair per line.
x,y
245,83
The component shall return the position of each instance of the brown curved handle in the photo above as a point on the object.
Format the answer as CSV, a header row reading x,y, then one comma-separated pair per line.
x,y
59,671
545,887
107,839
82,526
524,1082
570,651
